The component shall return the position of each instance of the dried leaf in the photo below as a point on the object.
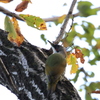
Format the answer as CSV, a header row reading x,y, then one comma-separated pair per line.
x,y
79,54
19,39
6,1
71,60
22,6
34,21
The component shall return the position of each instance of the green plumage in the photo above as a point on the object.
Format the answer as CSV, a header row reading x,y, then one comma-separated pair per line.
x,y
55,67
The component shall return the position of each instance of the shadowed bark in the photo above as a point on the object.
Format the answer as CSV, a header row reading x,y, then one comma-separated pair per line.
x,y
22,72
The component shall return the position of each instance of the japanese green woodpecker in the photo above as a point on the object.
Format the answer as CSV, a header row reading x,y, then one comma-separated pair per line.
x,y
55,66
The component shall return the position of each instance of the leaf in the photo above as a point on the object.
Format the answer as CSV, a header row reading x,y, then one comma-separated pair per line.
x,y
93,86
86,52
19,38
89,30
61,18
71,60
76,77
9,27
14,31
69,37
91,75
97,46
93,62
5,1
43,38
74,68
34,21
79,54
85,9
22,6
88,96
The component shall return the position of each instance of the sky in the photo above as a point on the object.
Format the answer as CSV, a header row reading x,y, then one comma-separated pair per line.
x,y
45,9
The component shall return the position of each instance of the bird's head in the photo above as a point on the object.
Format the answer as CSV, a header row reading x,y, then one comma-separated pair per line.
x,y
58,49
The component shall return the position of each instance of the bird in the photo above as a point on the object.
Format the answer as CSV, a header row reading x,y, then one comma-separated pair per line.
x,y
55,67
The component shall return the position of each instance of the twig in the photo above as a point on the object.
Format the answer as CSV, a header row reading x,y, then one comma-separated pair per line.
x,y
7,12
71,25
62,31
11,14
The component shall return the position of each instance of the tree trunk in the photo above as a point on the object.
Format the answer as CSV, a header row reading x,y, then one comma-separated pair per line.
x,y
22,72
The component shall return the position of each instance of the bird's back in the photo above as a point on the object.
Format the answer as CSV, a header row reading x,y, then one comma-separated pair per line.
x,y
55,63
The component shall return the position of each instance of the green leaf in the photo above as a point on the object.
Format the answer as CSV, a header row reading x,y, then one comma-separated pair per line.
x,y
86,52
43,38
93,62
89,29
88,96
76,77
91,75
34,21
93,86
80,90
9,27
85,9
69,37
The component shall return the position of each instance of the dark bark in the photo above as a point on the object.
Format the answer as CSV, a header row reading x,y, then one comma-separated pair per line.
x,y
22,72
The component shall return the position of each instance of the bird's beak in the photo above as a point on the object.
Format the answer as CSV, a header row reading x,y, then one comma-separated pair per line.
x,y
52,46
50,43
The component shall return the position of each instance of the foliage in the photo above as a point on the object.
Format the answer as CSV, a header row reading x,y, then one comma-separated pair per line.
x,y
34,21
85,10
12,27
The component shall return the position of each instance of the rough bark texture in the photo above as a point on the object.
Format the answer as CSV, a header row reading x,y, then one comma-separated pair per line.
x,y
22,72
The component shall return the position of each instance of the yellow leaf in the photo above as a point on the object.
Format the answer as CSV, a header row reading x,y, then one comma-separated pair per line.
x,y
15,24
6,1
71,60
60,19
74,68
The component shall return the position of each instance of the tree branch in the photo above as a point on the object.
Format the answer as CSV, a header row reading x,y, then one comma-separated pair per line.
x,y
57,17
62,31
7,12
23,69
51,19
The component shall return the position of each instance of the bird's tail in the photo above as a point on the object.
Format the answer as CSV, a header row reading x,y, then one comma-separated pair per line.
x,y
51,88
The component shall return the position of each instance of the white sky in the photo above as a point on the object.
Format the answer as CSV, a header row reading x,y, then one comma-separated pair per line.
x,y
45,9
